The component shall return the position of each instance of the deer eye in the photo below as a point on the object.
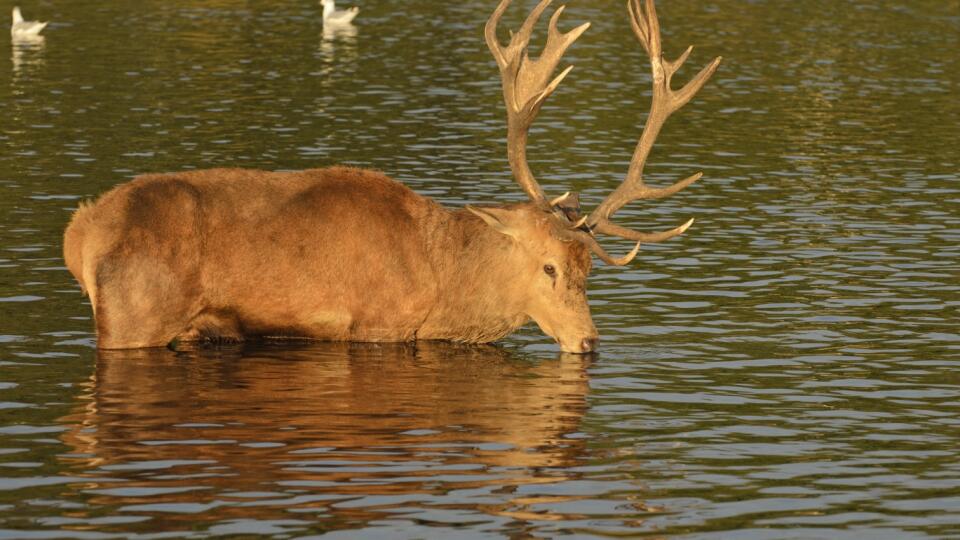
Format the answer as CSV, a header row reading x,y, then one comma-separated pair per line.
x,y
549,269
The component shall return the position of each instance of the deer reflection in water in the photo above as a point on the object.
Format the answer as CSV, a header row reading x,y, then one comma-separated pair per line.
x,y
341,430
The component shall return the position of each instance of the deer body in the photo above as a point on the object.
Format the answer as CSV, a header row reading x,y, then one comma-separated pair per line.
x,y
330,254
346,254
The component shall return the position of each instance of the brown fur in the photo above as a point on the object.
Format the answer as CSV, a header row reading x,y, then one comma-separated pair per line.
x,y
329,254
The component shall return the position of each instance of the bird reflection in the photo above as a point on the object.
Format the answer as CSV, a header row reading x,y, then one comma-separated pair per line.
x,y
339,40
325,423
26,51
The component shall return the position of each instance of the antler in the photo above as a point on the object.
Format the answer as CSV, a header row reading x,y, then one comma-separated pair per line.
x,y
527,84
666,101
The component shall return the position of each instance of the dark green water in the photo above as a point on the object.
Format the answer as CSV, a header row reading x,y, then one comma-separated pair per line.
x,y
786,369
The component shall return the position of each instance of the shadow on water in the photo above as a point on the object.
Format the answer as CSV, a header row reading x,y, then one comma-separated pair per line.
x,y
350,433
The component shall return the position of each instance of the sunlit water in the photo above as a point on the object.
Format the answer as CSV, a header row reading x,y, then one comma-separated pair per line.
x,y
787,369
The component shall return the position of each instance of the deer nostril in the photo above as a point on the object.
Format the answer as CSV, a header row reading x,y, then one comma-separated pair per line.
x,y
589,344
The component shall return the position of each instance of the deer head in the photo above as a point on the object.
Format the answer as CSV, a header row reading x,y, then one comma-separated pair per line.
x,y
527,83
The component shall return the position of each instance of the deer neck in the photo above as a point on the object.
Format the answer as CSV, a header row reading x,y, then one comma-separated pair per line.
x,y
476,290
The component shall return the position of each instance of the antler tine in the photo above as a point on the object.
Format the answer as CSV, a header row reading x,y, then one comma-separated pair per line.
x,y
666,101
490,33
642,28
613,229
595,247
607,258
527,83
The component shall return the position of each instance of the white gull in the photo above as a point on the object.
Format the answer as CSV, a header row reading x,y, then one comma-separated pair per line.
x,y
332,15
25,29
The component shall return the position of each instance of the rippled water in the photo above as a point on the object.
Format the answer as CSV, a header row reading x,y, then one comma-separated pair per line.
x,y
787,369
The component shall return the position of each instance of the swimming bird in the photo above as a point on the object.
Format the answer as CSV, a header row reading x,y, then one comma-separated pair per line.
x,y
332,15
25,29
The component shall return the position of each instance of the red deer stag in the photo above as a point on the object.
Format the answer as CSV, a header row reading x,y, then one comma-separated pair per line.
x,y
348,254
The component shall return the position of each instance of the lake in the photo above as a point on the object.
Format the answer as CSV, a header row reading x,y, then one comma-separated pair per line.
x,y
788,368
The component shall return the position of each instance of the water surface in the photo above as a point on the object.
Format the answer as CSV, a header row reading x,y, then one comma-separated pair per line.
x,y
786,369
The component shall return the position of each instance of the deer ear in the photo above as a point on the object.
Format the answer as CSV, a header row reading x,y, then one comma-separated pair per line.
x,y
498,218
